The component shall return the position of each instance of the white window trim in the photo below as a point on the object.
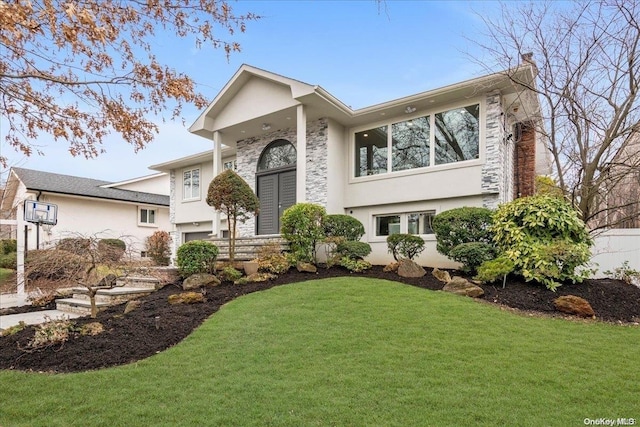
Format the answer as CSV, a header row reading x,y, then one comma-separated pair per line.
x,y
199,196
155,216
432,167
404,224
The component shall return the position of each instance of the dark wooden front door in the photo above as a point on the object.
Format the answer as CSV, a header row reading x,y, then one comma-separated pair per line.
x,y
276,191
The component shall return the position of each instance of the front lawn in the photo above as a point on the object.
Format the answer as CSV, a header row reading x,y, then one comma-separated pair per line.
x,y
352,351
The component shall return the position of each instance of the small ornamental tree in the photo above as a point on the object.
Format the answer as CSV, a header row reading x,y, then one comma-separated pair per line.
x,y
544,237
229,193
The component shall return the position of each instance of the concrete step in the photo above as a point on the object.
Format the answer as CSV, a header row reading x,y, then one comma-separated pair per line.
x,y
78,306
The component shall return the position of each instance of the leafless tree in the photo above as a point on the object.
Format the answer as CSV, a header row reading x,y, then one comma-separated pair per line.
x,y
587,59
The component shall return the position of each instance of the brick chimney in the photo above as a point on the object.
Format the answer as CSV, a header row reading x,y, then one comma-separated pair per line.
x,y
525,160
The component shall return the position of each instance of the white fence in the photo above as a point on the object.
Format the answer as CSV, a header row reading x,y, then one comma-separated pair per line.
x,y
613,247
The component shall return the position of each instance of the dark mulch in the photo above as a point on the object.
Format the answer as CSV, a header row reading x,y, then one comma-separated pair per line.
x,y
158,325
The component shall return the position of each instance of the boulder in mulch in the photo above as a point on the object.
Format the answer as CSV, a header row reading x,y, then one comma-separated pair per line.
x,y
200,280
391,268
572,304
132,305
461,286
441,275
186,298
306,267
409,268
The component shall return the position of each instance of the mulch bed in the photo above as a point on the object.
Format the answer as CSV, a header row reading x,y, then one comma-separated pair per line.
x,y
157,325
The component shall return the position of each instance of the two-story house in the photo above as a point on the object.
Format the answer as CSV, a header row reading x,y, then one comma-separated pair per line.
x,y
393,165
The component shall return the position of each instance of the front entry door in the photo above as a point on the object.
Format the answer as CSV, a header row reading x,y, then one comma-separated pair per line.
x,y
276,191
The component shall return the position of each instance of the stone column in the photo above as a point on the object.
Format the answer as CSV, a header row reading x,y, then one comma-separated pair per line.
x,y
301,161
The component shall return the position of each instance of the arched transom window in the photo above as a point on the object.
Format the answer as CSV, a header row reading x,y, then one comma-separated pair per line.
x,y
278,154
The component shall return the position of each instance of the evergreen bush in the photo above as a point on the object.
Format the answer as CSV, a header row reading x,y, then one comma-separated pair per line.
x,y
197,256
405,245
339,225
472,255
302,226
462,225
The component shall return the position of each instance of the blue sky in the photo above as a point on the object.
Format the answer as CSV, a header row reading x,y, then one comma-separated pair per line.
x,y
361,53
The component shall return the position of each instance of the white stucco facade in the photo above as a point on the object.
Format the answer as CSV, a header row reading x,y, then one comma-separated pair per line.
x,y
257,108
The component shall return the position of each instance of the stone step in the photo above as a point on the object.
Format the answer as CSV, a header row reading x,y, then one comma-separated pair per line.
x,y
139,282
112,296
78,306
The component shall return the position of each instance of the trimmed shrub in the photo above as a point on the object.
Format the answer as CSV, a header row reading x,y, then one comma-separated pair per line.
x,y
111,250
230,274
339,225
544,237
197,256
75,245
272,260
9,260
302,227
472,255
159,247
492,270
8,246
405,245
354,265
354,250
462,225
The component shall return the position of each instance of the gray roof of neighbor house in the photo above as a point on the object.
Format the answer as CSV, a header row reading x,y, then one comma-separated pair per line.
x,y
87,187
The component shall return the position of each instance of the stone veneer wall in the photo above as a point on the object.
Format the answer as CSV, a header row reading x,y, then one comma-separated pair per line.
x,y
493,179
248,153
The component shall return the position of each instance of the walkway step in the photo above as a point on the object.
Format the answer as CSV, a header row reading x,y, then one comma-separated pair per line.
x,y
77,306
112,296
33,318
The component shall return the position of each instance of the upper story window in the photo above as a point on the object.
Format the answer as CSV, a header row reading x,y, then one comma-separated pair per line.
x,y
191,184
231,164
146,216
412,144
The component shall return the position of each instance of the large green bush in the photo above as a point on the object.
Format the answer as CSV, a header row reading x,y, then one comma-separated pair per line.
x,y
339,225
544,237
462,225
354,250
197,256
302,226
472,255
405,245
9,260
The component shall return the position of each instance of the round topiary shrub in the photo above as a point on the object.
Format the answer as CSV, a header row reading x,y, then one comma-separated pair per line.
x,y
75,245
405,245
302,227
197,256
472,255
462,225
353,250
339,225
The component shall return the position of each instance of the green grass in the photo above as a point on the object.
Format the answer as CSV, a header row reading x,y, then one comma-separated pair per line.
x,y
351,352
5,273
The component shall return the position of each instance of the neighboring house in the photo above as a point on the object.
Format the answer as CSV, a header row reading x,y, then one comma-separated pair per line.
x,y
620,191
130,210
393,165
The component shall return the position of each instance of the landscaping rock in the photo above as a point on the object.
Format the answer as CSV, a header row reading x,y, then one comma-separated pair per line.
x,y
132,305
306,267
259,277
441,275
186,298
461,286
408,268
391,268
572,304
200,280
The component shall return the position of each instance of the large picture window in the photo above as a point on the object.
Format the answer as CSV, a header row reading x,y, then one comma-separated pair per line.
x,y
191,184
457,134
435,139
